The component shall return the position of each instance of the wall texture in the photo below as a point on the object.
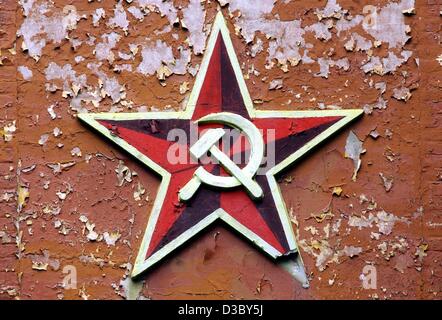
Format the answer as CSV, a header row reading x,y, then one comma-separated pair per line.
x,y
71,201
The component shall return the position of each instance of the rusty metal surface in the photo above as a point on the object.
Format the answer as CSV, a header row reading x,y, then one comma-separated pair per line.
x,y
70,199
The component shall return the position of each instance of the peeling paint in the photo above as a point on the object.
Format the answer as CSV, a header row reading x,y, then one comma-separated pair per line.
x,y
58,60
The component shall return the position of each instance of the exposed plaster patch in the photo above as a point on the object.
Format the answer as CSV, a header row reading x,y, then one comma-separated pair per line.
x,y
79,59
386,65
158,58
358,43
402,93
89,97
331,10
193,20
386,221
120,18
322,251
153,56
387,181
257,47
43,23
103,50
109,86
389,24
180,65
123,67
321,30
97,16
348,23
325,64
26,6
165,8
286,37
42,261
136,12
351,251
76,152
361,222
276,84
57,132
26,73
380,104
71,82
43,139
383,220
111,238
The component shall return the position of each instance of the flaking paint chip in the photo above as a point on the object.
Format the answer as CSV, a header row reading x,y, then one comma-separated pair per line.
x,y
8,131
76,152
402,93
353,150
111,238
439,59
184,87
22,195
43,139
387,181
39,266
337,191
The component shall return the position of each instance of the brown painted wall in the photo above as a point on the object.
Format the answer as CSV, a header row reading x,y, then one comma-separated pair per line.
x,y
393,223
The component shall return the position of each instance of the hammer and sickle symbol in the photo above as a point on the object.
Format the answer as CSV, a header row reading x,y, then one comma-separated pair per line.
x,y
238,176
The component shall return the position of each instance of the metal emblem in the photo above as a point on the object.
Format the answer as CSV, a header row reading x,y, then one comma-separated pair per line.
x,y
250,203
239,176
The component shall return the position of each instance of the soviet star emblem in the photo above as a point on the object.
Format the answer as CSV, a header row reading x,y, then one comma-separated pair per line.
x,y
192,194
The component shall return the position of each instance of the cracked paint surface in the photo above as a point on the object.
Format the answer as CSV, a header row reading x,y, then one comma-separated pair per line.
x,y
370,196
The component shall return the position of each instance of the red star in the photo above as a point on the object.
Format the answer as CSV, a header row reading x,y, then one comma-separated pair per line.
x,y
219,87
